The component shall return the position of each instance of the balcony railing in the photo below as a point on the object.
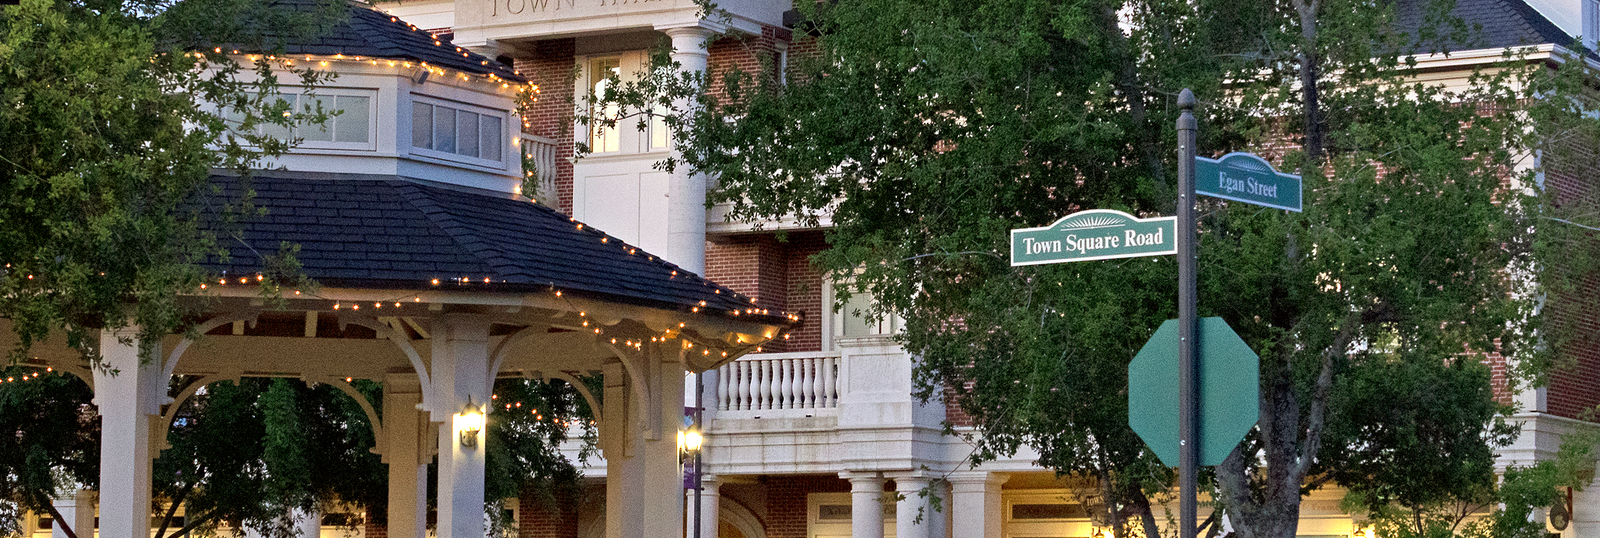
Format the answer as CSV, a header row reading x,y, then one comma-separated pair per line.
x,y
774,381
541,153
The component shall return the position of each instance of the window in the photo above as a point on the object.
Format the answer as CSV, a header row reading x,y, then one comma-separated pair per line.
x,y
852,321
658,128
457,131
349,125
604,139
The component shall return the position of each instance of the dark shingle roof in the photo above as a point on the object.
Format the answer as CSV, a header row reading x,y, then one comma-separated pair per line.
x,y
401,234
370,33
1493,24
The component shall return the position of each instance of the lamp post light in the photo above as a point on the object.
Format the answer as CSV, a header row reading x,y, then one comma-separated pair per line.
x,y
689,442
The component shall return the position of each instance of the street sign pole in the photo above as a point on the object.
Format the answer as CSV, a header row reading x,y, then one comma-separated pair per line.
x,y
1188,378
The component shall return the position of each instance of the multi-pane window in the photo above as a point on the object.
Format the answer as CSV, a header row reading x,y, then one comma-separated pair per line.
x,y
349,123
457,131
604,138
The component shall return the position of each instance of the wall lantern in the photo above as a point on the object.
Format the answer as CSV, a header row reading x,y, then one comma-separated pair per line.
x,y
470,422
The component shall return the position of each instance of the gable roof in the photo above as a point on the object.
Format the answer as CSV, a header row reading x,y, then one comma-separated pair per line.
x,y
1494,24
367,32
384,232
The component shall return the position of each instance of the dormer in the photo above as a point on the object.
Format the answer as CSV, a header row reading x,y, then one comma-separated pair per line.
x,y
411,104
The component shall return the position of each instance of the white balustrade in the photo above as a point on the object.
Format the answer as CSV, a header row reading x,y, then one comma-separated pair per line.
x,y
774,381
541,152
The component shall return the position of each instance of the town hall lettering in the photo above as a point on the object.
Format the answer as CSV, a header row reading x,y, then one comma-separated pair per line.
x,y
518,7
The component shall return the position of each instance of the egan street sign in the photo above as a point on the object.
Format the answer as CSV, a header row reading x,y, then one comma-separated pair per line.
x,y
1096,234
1247,178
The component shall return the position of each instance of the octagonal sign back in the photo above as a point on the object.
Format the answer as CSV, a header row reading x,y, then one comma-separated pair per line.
x,y
1230,386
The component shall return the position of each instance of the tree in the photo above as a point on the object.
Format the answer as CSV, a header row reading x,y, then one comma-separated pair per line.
x,y
928,131
111,122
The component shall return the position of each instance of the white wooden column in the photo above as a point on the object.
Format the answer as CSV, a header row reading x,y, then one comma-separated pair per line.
x,y
866,504
686,192
914,516
128,395
407,450
644,480
78,510
460,369
975,507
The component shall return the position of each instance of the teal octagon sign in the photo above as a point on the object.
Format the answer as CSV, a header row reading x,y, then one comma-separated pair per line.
x,y
1230,386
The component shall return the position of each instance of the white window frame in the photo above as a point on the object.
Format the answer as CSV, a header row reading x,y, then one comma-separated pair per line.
x,y
505,139
833,321
326,93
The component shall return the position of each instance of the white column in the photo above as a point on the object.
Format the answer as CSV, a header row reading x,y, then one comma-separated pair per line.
x,y
866,504
78,511
406,446
686,192
128,394
710,505
307,524
913,515
644,481
460,364
975,508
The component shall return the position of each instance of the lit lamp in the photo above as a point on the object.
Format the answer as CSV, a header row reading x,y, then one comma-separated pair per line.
x,y
689,440
1360,533
470,421
1099,533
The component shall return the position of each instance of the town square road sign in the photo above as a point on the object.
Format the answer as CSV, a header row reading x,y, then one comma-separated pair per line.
x,y
1247,178
1096,234
1230,391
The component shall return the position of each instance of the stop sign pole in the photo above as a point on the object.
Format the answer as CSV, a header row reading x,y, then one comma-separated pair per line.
x,y
1188,380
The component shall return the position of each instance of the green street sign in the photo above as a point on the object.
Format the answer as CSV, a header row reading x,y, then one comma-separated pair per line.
x,y
1096,234
1247,178
1230,400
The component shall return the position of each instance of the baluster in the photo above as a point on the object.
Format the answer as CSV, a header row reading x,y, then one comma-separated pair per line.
x,y
743,379
802,381
797,398
723,398
763,385
780,385
774,383
814,384
830,388
790,386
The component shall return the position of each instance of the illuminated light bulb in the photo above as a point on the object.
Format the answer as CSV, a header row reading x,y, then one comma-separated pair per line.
x,y
324,63
416,299
485,280
217,50
349,379
377,305
602,240
235,51
219,281
335,306
297,292
202,286
558,293
397,304
436,282
613,340
695,309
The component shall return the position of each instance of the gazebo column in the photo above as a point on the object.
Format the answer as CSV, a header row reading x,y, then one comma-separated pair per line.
x,y
79,510
460,372
127,400
405,449
644,479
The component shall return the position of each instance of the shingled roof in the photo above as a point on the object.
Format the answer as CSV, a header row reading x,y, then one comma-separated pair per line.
x,y
1494,24
369,33
384,232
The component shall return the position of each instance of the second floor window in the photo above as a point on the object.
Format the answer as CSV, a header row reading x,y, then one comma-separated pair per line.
x,y
602,138
457,130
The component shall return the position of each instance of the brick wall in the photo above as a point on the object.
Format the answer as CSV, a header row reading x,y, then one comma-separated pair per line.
x,y
1574,385
551,116
786,501
548,516
374,529
805,290
746,53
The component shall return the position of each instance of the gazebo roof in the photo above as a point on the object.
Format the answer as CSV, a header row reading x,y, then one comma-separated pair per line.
x,y
369,33
387,232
